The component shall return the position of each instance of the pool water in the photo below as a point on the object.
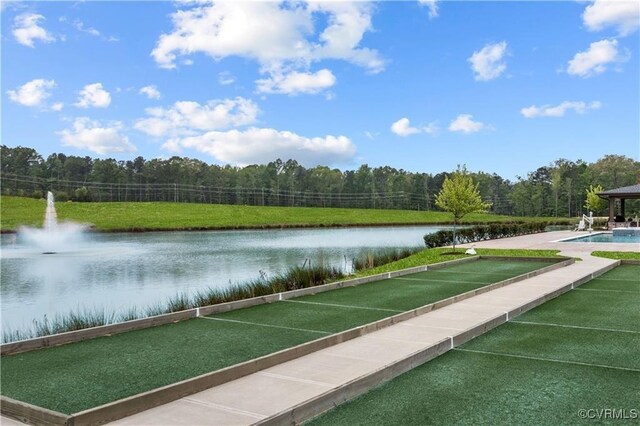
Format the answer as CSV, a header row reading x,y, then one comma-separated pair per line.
x,y
605,237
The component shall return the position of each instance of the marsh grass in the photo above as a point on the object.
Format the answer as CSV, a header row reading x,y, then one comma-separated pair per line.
x,y
294,278
371,260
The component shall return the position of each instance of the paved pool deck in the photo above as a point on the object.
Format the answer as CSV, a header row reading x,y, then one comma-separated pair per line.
x,y
290,391
552,240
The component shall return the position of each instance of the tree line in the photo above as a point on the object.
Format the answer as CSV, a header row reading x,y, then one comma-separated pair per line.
x,y
556,190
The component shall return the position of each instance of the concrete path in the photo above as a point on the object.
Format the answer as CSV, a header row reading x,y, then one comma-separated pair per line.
x,y
271,395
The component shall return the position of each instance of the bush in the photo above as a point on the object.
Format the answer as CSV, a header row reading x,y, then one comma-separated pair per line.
x,y
483,232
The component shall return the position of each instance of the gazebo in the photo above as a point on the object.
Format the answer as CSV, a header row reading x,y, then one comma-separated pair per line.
x,y
622,194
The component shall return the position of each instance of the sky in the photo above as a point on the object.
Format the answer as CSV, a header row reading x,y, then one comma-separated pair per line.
x,y
502,87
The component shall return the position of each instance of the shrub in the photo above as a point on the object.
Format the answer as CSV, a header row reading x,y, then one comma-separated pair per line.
x,y
475,233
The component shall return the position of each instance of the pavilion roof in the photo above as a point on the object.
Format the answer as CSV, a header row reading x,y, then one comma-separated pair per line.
x,y
632,191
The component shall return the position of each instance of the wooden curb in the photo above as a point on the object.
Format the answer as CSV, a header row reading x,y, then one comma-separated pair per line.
x,y
146,400
138,324
334,397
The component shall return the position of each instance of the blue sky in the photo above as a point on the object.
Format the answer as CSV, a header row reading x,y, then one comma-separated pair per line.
x,y
502,87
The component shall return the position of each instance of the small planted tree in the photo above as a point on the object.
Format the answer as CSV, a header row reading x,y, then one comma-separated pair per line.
x,y
595,203
460,196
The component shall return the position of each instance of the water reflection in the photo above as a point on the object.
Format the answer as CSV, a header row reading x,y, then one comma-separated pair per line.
x,y
118,271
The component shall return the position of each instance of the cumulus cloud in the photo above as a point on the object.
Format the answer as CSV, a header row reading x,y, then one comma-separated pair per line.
x,y
432,5
624,15
32,93
259,145
464,123
151,92
559,110
403,128
280,37
188,117
27,29
93,95
90,135
488,63
58,106
296,82
595,60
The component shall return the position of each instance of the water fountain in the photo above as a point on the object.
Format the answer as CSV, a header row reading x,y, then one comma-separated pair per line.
x,y
53,237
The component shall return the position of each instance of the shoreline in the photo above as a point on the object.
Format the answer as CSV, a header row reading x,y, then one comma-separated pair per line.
x,y
139,230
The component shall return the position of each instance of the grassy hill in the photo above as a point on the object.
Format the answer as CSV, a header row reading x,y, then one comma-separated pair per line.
x,y
16,211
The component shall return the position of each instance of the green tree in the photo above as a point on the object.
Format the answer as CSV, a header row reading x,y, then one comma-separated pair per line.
x,y
595,203
460,196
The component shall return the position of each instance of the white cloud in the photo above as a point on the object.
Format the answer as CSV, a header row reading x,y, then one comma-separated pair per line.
x,y
150,91
559,110
57,106
226,78
464,123
432,5
296,82
93,95
596,59
488,63
280,37
89,30
371,135
403,128
430,129
255,145
26,29
32,93
90,135
624,15
188,118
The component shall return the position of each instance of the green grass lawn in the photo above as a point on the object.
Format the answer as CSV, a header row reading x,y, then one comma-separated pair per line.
x,y
16,211
86,374
625,255
541,368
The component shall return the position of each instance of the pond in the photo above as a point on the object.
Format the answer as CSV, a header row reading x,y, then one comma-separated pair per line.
x,y
120,271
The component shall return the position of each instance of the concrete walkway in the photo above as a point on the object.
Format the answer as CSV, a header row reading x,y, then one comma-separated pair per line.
x,y
294,390
272,394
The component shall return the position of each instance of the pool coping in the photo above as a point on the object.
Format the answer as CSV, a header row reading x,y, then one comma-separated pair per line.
x,y
577,237
127,406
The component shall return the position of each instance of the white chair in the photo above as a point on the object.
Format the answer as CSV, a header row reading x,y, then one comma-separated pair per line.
x,y
580,226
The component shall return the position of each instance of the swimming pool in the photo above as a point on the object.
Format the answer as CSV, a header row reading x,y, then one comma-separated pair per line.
x,y
604,237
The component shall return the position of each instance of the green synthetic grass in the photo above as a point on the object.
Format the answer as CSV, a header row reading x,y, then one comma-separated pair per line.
x,y
489,381
581,345
79,376
404,293
626,255
442,254
465,388
86,374
16,211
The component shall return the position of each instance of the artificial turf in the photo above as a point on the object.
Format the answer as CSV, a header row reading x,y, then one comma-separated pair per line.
x,y
466,388
523,373
409,292
87,374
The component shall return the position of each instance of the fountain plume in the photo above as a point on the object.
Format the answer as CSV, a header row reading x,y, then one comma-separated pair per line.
x,y
50,215
54,237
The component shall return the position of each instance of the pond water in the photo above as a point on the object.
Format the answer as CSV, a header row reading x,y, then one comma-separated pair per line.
x,y
120,271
